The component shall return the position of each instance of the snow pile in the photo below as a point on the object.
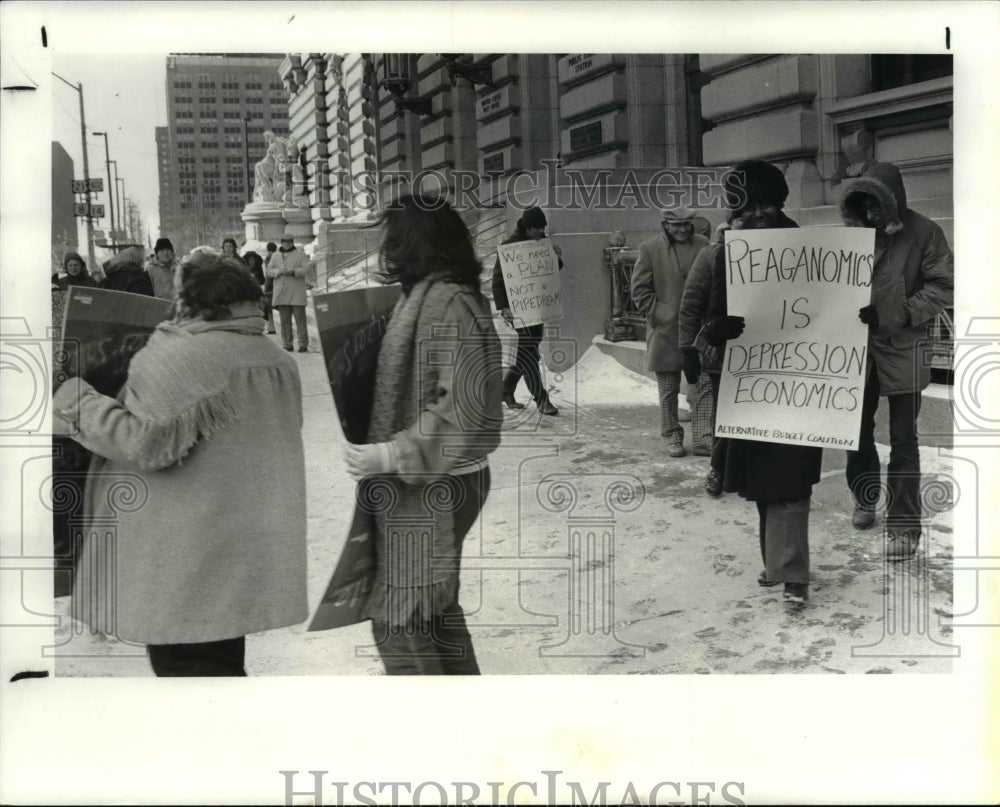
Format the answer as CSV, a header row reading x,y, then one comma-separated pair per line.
x,y
598,379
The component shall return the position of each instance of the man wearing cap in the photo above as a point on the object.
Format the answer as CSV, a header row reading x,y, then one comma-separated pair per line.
x,y
530,227
161,268
289,268
657,286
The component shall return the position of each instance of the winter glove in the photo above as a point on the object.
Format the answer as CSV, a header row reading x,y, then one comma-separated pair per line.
x,y
720,329
507,316
869,316
370,459
692,364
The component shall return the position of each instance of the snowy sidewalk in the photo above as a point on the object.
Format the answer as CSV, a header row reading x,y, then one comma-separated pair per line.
x,y
597,553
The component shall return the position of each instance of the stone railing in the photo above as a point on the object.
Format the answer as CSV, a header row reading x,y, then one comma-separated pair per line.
x,y
625,322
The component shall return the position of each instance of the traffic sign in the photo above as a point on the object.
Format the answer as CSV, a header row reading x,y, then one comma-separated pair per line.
x,y
94,211
83,185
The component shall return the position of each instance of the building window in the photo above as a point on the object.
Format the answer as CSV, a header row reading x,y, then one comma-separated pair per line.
x,y
209,130
891,70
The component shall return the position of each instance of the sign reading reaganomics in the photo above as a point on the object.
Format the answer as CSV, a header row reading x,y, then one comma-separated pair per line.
x,y
797,373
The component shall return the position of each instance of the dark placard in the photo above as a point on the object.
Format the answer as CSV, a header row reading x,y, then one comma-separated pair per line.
x,y
351,325
102,330
351,583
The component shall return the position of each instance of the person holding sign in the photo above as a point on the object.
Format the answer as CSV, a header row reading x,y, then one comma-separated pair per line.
x,y
657,287
435,418
186,551
913,282
777,477
530,227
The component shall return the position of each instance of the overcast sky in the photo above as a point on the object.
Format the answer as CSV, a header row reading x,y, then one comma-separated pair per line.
x,y
125,97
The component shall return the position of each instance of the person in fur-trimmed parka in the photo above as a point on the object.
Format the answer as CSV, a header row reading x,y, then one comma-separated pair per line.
x,y
912,282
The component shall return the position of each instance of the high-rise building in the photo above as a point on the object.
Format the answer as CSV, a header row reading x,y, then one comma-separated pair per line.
x,y
64,238
218,108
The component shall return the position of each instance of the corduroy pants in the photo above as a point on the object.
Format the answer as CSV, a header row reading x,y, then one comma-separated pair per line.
x,y
903,473
440,645
784,540
286,312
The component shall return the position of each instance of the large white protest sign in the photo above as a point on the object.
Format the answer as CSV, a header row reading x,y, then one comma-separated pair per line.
x,y
531,275
796,374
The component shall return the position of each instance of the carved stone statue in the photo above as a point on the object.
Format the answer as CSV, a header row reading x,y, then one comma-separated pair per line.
x,y
269,173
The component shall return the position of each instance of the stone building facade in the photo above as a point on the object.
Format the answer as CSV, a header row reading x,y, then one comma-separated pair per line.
x,y
503,129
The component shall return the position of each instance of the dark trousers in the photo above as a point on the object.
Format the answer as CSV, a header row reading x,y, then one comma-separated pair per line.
x,y
286,313
903,474
200,659
718,460
440,645
526,364
784,540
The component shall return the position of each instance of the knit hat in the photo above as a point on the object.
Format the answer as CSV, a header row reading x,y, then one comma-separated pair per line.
x,y
533,217
163,243
678,215
755,180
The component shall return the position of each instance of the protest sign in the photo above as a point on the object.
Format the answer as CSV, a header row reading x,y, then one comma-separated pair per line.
x,y
796,374
531,275
351,325
351,583
101,331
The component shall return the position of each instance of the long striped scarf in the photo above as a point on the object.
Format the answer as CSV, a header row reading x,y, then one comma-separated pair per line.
x,y
417,564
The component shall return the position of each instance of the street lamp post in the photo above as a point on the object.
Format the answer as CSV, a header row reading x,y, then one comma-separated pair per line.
x,y
114,194
111,195
246,157
86,178
120,182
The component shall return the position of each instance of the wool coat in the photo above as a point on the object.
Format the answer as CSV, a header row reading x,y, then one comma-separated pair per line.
x,y
195,511
694,307
658,280
913,280
758,470
288,289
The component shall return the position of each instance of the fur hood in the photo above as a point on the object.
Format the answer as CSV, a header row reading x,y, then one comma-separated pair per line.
x,y
884,182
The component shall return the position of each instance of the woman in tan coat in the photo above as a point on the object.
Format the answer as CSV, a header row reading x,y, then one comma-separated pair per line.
x,y
187,548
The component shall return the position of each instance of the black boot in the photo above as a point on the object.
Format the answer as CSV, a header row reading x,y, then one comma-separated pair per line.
x,y
508,398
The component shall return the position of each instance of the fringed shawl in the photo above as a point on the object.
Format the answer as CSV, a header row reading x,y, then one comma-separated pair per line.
x,y
417,564
179,385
